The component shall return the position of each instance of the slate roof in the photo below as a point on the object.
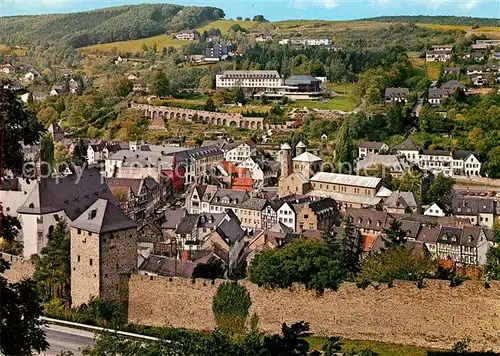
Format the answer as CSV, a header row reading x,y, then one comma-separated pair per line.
x,y
407,145
402,199
188,223
472,206
134,184
74,196
235,196
323,205
171,267
452,84
103,217
428,235
173,217
437,93
371,145
230,229
396,93
257,204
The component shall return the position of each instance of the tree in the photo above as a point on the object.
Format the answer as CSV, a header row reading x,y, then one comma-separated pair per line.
x,y
79,153
206,82
291,342
239,96
48,115
440,188
239,18
230,307
395,119
161,85
259,18
345,149
210,105
124,87
492,166
396,263
493,256
53,269
396,237
348,246
213,269
304,261
264,100
317,69
333,346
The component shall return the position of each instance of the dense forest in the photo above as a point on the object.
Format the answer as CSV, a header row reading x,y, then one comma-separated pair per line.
x,y
104,25
442,20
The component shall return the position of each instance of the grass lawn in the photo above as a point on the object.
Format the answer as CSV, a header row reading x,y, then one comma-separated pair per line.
x,y
344,103
236,109
136,45
382,349
432,68
224,25
342,88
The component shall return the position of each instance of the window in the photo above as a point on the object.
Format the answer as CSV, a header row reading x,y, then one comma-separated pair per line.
x,y
79,231
91,262
78,258
306,216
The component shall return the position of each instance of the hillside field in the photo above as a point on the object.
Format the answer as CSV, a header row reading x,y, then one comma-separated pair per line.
x,y
165,40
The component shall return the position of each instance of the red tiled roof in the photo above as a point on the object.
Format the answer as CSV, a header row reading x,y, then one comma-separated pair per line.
x,y
242,184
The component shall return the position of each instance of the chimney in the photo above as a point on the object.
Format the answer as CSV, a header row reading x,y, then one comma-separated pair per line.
x,y
185,256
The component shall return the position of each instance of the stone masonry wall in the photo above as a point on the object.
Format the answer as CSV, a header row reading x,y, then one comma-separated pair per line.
x,y
436,316
19,268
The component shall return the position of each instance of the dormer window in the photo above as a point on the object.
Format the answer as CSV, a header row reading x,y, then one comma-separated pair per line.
x,y
360,220
470,238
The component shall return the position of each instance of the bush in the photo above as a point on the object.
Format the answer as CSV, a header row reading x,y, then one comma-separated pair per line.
x,y
230,306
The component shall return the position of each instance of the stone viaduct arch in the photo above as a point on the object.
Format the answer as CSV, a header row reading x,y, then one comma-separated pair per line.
x,y
208,117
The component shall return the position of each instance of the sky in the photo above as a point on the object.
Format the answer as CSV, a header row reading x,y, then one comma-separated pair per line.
x,y
280,9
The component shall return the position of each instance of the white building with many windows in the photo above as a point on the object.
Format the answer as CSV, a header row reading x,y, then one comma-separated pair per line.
x,y
258,80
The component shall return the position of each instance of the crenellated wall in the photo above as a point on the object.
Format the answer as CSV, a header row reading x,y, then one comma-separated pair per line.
x,y
435,316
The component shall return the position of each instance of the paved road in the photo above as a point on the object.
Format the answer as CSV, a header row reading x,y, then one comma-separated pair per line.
x,y
64,338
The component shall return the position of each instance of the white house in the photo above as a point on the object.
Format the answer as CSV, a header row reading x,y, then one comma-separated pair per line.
x,y
237,152
409,149
434,210
371,148
287,215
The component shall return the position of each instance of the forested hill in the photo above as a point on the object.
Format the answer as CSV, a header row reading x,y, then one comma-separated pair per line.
x,y
104,25
442,20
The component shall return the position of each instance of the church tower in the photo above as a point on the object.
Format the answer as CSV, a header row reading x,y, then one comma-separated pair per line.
x,y
286,160
300,148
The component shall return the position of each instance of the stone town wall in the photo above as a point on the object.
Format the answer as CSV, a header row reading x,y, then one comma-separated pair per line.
x,y
208,117
435,316
19,268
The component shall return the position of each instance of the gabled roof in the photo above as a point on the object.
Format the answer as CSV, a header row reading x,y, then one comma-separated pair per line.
x,y
346,179
230,229
472,206
307,157
371,145
103,217
397,92
70,194
407,145
402,199
257,204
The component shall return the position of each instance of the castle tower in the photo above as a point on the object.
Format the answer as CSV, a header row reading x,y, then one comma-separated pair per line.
x,y
286,160
103,253
300,148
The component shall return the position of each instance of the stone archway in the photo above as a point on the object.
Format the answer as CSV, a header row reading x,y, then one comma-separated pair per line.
x,y
183,116
178,116
172,115
259,126
212,121
246,124
252,125
224,122
233,124
154,114
241,124
218,121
